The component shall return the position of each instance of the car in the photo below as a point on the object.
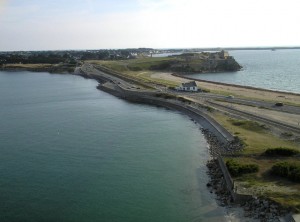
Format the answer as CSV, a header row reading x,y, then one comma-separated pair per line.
x,y
279,104
230,97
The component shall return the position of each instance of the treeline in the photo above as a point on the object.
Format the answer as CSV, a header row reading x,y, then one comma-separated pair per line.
x,y
36,59
70,56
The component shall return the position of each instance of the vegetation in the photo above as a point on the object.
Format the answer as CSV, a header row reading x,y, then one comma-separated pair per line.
x,y
237,169
38,58
289,170
166,96
249,125
287,134
281,151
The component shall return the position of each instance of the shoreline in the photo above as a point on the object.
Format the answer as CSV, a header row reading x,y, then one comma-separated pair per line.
x,y
236,85
136,97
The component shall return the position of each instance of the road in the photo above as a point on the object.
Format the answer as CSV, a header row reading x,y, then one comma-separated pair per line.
x,y
267,105
204,99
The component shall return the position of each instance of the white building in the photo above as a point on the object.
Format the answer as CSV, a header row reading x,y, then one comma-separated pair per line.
x,y
189,86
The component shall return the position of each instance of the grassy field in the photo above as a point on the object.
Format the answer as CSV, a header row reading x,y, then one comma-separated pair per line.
x,y
257,139
137,68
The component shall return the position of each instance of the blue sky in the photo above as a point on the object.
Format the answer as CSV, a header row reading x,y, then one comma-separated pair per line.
x,y
94,24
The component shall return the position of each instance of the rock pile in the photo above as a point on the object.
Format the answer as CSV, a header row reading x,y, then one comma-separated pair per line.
x,y
217,148
263,210
217,183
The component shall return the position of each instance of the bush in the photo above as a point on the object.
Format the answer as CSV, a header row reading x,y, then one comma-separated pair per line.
x,y
281,151
165,96
135,68
237,169
288,170
182,99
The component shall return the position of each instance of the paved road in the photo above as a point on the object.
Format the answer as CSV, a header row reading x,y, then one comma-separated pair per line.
x,y
202,98
93,72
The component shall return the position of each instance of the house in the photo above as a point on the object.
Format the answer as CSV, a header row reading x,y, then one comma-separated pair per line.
x,y
223,54
189,86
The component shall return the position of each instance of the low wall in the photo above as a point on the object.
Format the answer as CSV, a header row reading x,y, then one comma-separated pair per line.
x,y
238,198
148,98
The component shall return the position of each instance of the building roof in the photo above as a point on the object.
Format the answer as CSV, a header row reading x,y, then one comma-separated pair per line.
x,y
189,84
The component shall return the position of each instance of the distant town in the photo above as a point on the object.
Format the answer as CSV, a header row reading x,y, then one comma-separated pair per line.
x,y
71,56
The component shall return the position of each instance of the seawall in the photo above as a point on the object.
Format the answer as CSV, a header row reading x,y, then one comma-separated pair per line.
x,y
200,117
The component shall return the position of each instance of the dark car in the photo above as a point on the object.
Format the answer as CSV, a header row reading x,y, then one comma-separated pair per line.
x,y
278,104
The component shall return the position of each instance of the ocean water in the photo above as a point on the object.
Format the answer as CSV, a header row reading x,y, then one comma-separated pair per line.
x,y
276,70
70,152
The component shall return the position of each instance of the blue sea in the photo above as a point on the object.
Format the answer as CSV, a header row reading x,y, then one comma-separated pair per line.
x,y
70,152
275,70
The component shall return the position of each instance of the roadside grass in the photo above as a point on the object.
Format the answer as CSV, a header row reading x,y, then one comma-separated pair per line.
x,y
248,125
256,137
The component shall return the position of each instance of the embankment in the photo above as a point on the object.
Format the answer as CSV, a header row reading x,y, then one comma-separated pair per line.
x,y
197,115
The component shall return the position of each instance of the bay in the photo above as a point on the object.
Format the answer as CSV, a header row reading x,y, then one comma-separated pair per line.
x,y
275,70
70,152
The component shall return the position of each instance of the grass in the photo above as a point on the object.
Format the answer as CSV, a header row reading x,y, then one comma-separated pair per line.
x,y
256,137
248,125
262,183
127,67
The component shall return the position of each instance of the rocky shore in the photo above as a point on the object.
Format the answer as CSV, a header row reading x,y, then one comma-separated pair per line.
x,y
254,209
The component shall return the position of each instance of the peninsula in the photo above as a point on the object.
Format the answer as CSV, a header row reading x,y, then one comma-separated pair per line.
x,y
254,134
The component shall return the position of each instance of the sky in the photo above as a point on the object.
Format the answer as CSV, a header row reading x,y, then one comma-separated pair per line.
x,y
113,24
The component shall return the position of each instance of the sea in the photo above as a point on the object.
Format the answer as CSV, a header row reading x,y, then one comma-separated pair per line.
x,y
70,152
268,69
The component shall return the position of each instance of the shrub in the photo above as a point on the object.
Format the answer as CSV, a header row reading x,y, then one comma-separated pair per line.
x,y
281,151
135,68
165,95
237,169
209,109
182,99
288,170
287,134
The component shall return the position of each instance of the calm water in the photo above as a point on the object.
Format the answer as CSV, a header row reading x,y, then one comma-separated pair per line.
x,y
276,70
70,152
